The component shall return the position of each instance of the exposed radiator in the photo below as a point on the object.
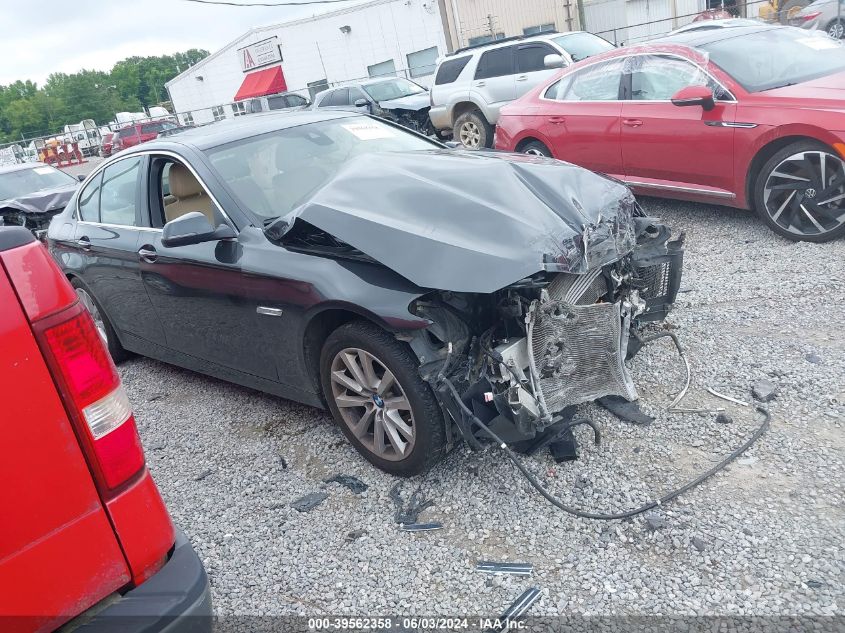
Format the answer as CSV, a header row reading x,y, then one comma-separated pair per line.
x,y
579,345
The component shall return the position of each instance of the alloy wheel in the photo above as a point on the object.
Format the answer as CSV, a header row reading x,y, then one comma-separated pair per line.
x,y
86,300
372,404
533,151
836,30
470,135
805,193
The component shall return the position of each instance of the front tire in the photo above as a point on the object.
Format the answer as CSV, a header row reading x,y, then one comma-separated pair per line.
x,y
800,193
104,326
373,388
473,131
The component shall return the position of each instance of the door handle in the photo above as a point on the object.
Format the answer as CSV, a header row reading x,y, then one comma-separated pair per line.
x,y
84,243
480,84
521,78
147,254
632,122
557,120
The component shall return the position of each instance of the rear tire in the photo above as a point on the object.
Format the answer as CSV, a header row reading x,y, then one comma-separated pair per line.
x,y
536,148
394,421
793,187
104,326
836,28
473,131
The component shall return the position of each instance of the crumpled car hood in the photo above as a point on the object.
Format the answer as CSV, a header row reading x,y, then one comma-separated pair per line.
x,y
43,201
411,102
473,221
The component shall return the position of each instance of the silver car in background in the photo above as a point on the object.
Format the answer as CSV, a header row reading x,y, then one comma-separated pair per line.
x,y
823,15
472,84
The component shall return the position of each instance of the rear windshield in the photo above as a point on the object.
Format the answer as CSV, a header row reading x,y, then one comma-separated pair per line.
x,y
801,56
582,45
157,126
22,182
450,69
392,89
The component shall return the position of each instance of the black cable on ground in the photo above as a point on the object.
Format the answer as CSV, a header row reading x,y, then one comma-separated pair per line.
x,y
648,506
629,513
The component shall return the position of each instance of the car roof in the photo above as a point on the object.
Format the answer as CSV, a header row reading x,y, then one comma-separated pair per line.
x,y
722,23
222,132
696,39
5,169
363,82
507,41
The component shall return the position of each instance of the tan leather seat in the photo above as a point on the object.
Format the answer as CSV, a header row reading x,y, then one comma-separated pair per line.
x,y
188,195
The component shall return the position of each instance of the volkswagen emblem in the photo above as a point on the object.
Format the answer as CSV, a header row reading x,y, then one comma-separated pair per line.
x,y
810,193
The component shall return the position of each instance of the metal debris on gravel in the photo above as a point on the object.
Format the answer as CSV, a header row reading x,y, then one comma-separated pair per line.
x,y
518,609
408,512
712,391
757,306
764,390
348,481
420,527
494,567
309,501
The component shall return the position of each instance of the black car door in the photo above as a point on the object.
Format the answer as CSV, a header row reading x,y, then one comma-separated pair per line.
x,y
205,307
105,247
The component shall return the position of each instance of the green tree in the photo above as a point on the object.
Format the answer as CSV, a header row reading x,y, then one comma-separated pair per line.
x,y
133,83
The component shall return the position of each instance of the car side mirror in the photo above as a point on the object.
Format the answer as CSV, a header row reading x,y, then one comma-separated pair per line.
x,y
554,61
362,103
193,228
695,96
81,177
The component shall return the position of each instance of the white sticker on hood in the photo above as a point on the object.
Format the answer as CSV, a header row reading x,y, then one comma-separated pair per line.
x,y
43,170
819,43
369,131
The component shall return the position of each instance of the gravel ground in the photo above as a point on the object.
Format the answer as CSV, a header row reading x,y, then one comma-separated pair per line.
x,y
85,168
764,537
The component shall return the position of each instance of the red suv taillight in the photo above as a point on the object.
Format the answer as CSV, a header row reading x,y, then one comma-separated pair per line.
x,y
91,389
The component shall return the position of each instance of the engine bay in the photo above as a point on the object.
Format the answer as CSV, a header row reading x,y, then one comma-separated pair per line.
x,y
522,358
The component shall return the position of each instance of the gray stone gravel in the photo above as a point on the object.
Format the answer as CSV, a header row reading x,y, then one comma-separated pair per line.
x,y
764,537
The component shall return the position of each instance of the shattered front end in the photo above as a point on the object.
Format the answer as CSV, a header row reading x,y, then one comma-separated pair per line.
x,y
534,275
521,358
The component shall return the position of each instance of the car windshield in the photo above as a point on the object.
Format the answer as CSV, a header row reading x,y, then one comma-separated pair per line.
x,y
273,173
800,56
392,89
582,45
26,181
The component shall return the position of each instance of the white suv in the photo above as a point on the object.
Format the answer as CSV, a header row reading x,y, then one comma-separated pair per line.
x,y
473,83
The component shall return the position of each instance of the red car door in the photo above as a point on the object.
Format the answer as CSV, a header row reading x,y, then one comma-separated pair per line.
x,y
580,117
670,148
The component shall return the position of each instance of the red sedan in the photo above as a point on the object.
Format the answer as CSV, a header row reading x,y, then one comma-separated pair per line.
x,y
749,117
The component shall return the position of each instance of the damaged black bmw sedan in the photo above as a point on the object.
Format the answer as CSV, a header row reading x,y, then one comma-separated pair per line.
x,y
344,262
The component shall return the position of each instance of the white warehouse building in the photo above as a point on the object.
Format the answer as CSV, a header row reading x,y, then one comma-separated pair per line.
x,y
378,38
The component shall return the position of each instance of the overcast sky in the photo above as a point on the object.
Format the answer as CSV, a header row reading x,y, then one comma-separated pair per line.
x,y
46,36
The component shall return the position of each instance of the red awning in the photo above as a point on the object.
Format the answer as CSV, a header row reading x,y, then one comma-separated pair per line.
x,y
261,83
